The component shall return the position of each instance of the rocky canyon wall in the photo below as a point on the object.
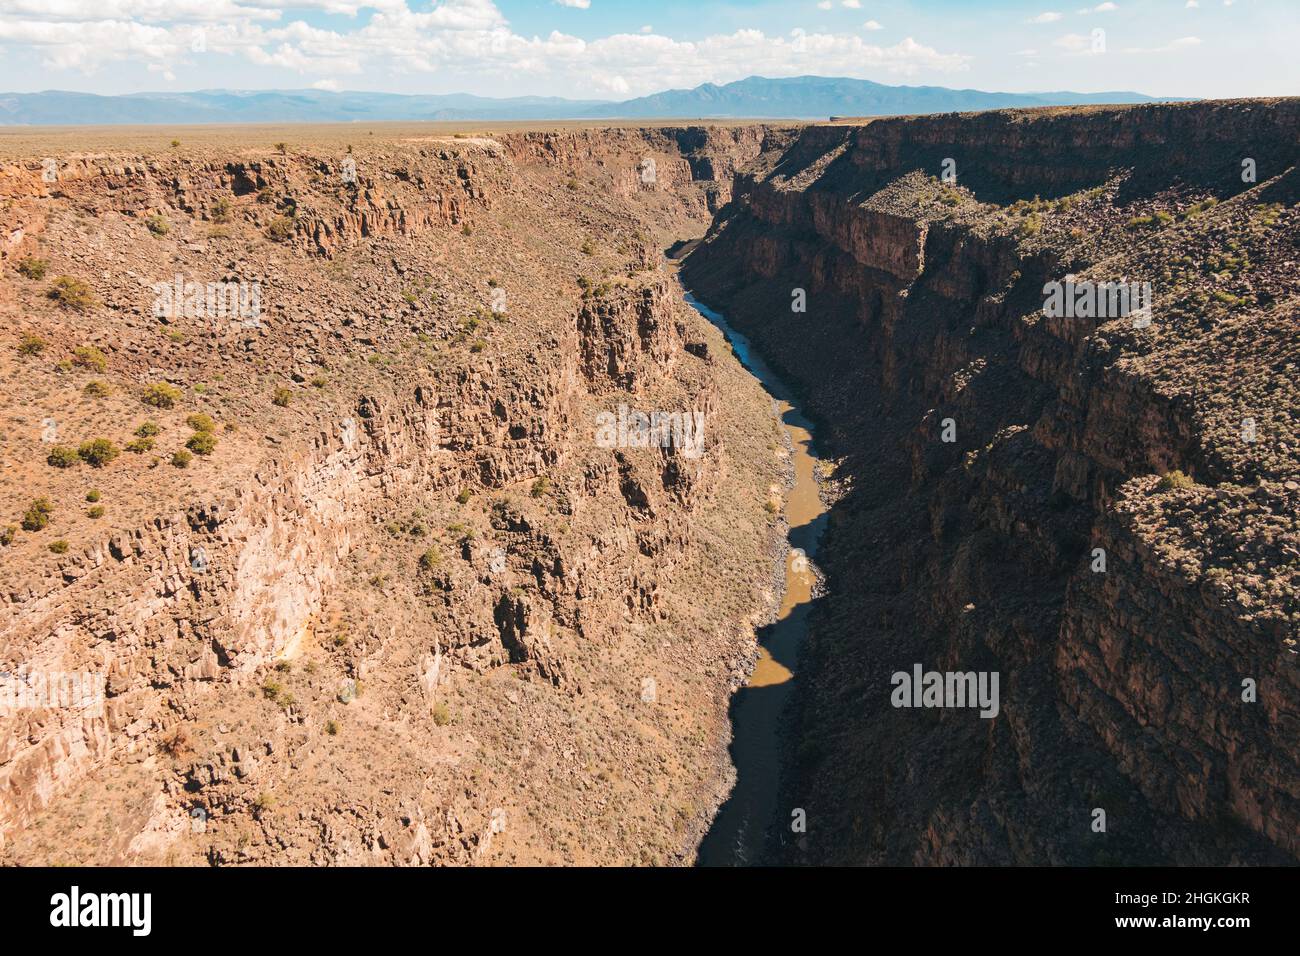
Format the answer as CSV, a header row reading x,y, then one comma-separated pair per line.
x,y
1100,510
401,605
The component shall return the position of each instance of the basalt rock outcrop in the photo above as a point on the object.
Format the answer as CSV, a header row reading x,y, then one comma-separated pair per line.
x,y
400,606
1101,507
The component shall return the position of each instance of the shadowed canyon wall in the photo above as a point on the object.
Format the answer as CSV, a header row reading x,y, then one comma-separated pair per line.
x,y
1171,446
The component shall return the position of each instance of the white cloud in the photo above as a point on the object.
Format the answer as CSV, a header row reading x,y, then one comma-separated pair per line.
x,y
88,46
1101,8
158,11
824,5
614,84
872,25
459,38
1078,44
1049,17
1192,4
576,4
1174,46
851,4
647,29
329,86
145,11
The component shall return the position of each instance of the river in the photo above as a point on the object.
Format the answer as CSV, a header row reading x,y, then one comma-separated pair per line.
x,y
760,708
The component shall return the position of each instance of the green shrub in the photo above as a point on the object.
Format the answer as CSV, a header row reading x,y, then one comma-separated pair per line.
x,y
31,345
182,458
38,514
7,534
430,559
92,495
138,446
332,728
441,715
464,496
1227,298
148,429
161,395
202,443
98,452
158,224
1031,225
1268,214
95,511
280,228
1154,221
272,689
540,487
33,268
97,389
90,358
1175,479
282,397
61,456
59,547
220,211
72,293
201,422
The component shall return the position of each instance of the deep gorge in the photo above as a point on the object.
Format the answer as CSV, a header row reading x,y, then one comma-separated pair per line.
x,y
549,633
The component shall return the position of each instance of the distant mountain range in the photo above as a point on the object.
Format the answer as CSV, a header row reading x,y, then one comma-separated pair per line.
x,y
799,97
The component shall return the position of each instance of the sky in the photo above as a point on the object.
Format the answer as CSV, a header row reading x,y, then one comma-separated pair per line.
x,y
618,49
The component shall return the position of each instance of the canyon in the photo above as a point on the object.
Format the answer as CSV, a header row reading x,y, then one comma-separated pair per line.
x,y
401,605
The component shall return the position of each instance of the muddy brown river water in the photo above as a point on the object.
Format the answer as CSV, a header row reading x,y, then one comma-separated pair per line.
x,y
760,708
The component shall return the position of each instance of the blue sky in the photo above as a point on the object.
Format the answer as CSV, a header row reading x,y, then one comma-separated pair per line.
x,y
614,49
